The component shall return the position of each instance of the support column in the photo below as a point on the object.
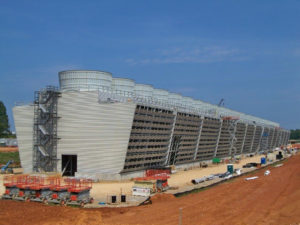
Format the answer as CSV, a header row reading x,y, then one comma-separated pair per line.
x,y
233,139
253,139
244,138
259,142
199,136
171,138
218,139
271,143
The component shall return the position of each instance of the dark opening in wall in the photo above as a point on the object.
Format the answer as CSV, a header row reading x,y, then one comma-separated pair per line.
x,y
68,165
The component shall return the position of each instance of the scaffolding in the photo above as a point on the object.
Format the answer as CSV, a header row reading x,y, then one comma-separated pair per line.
x,y
232,126
264,142
45,130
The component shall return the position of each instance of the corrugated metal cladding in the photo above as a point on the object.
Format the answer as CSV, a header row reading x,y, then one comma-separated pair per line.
x,y
97,133
23,117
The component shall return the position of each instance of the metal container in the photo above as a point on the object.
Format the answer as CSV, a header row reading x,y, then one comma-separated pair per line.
x,y
84,80
143,90
230,168
123,86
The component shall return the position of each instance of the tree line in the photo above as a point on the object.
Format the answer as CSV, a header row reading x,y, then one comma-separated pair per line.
x,y
4,124
295,134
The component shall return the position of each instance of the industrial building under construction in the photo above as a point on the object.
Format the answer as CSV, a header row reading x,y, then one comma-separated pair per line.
x,y
98,126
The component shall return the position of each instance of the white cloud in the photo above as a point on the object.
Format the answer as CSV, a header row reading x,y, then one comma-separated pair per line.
x,y
207,54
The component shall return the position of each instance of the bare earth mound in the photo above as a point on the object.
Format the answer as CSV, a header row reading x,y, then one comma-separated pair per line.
x,y
273,199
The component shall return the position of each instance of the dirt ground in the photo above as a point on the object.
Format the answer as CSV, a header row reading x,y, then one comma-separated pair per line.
x,y
179,179
273,199
101,190
183,178
9,149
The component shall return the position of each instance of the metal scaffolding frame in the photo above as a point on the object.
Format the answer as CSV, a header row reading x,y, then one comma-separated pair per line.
x,y
232,139
264,142
45,130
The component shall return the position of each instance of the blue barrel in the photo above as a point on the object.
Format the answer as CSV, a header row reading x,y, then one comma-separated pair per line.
x,y
230,168
263,160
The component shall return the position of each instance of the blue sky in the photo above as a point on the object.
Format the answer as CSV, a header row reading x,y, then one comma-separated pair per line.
x,y
247,52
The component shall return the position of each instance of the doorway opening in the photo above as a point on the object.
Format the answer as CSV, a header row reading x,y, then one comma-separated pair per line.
x,y
68,165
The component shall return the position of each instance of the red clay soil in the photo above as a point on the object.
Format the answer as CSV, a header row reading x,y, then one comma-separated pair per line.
x,y
273,199
9,149
33,213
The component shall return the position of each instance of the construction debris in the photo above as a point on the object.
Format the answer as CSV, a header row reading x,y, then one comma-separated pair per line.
x,y
250,165
278,165
203,179
251,178
238,171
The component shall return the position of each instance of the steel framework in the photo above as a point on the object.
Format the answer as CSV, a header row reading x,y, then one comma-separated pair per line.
x,y
232,124
45,130
264,142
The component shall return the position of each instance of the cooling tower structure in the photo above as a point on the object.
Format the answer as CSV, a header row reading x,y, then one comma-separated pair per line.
x,y
99,126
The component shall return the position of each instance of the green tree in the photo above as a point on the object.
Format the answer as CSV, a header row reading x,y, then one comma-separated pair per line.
x,y
4,126
295,134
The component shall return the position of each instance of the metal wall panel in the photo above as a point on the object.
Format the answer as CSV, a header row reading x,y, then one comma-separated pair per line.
x,y
187,128
256,139
23,117
149,139
208,139
240,135
97,133
248,140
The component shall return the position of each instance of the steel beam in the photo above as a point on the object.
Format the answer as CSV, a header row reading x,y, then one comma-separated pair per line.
x,y
218,139
199,136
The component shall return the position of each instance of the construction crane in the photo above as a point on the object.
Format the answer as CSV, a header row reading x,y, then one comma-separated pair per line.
x,y
221,103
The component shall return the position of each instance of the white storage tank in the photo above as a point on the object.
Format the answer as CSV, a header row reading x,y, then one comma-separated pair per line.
x,y
161,95
174,99
84,80
123,86
143,90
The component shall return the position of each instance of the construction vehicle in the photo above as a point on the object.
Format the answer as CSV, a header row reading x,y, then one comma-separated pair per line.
x,y
144,186
10,183
41,189
80,192
48,189
60,193
5,169
24,193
